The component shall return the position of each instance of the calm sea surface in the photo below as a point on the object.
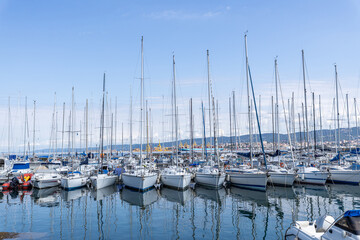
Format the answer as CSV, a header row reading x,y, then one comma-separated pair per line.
x,y
202,213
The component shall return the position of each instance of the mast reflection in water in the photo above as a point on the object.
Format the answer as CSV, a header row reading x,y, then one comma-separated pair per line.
x,y
202,213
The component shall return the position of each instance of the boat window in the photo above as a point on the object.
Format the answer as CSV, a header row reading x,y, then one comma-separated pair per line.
x,y
350,224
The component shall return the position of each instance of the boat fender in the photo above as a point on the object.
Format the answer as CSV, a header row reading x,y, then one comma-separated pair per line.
x,y
323,223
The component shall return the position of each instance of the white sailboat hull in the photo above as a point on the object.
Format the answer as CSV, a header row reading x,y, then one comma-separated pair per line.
x,y
181,181
210,180
281,179
345,177
102,180
139,182
317,177
70,183
48,183
256,181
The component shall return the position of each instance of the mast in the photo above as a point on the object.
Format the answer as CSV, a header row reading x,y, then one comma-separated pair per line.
x,y
293,118
147,129
234,121
191,133
86,126
175,109
313,98
34,129
348,118
62,133
306,115
272,122
204,132
209,95
230,125
301,144
337,109
277,107
102,124
141,97
116,128
25,128
72,121
357,130
111,134
9,127
122,138
248,93
130,123
321,131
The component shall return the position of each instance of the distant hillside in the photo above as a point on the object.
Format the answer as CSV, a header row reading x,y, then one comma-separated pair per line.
x,y
328,135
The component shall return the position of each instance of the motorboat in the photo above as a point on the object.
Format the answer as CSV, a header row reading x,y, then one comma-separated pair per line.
x,y
346,226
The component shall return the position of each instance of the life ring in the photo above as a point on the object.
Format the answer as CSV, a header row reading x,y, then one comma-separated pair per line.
x,y
282,164
248,164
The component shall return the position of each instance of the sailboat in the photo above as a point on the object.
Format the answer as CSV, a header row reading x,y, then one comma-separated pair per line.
x,y
210,175
175,176
140,177
246,176
73,179
278,174
340,173
309,174
103,178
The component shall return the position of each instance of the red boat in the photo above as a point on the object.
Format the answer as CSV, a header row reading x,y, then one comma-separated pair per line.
x,y
22,182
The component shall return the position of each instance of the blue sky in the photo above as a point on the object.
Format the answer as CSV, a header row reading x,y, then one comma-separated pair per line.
x,y
49,46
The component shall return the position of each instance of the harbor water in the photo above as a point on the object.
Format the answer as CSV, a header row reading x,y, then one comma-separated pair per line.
x,y
200,213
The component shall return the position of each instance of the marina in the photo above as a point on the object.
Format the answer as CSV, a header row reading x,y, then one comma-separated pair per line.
x,y
180,120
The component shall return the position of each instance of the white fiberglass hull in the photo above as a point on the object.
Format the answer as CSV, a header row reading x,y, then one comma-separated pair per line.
x,y
210,180
316,177
46,183
281,179
70,183
102,180
181,181
345,176
256,181
139,182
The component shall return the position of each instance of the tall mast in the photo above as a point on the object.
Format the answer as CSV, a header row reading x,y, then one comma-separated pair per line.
x,y
277,107
141,97
9,128
147,128
273,122
337,109
62,133
313,98
175,108
102,124
122,138
301,144
248,93
293,118
234,121
111,134
348,118
306,115
34,129
230,125
130,150
72,121
25,128
116,127
357,130
191,133
86,125
321,132
209,95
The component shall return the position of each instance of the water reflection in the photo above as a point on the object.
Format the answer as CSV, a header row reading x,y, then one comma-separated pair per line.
x,y
48,197
232,213
172,195
141,199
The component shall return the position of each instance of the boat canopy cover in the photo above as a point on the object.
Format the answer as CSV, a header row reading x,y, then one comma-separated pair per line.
x,y
352,213
350,222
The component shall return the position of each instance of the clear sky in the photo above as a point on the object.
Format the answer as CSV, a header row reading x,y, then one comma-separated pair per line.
x,y
50,46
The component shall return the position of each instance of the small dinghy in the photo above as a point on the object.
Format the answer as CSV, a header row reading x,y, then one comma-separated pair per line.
x,y
347,226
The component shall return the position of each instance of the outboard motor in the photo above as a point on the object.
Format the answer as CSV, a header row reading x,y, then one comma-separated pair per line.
x,y
14,183
323,223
